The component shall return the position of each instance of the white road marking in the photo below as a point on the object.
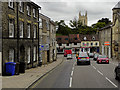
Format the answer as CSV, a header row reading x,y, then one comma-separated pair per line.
x,y
70,82
73,68
94,67
72,73
111,82
100,72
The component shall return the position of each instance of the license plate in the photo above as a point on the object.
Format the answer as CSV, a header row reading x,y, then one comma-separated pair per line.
x,y
83,58
103,61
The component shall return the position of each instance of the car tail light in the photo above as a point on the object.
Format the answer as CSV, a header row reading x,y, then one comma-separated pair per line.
x,y
79,58
99,60
107,60
87,57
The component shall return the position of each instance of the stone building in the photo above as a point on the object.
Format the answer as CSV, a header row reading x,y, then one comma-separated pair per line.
x,y
116,31
53,48
83,18
105,35
45,43
20,33
77,42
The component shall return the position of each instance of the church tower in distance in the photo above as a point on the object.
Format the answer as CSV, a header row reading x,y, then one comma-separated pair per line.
x,y
83,18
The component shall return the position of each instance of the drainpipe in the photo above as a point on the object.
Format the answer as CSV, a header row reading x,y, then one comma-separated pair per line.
x,y
17,33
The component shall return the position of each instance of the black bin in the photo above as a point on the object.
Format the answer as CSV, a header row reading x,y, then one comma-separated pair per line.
x,y
17,68
22,67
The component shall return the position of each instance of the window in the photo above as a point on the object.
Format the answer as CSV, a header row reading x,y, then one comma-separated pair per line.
x,y
35,30
34,12
34,54
60,44
11,28
21,6
47,24
21,29
75,43
66,38
67,44
40,23
28,54
11,3
96,43
59,38
11,55
87,44
93,38
75,38
28,10
91,44
28,30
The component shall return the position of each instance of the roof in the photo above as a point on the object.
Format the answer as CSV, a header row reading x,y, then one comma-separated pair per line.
x,y
62,40
106,27
74,38
117,6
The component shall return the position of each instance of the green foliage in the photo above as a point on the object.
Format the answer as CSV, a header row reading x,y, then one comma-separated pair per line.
x,y
77,28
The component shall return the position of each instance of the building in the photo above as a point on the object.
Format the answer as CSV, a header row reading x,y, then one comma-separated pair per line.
x,y
53,49
116,31
83,18
105,35
20,31
45,36
77,42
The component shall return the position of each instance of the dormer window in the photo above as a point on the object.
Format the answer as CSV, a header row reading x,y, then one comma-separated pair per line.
x,y
85,38
93,38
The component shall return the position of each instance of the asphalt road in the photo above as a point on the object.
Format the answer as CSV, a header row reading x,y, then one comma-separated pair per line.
x,y
71,75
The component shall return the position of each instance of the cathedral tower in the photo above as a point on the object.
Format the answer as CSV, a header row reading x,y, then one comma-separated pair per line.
x,y
83,18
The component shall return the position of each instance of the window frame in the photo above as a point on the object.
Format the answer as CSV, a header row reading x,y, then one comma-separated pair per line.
x,y
21,6
13,31
21,23
34,31
34,53
28,55
28,30
28,10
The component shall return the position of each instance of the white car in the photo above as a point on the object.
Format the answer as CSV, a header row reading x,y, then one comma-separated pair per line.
x,y
69,56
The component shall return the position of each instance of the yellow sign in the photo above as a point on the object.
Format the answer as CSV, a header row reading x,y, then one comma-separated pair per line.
x,y
11,16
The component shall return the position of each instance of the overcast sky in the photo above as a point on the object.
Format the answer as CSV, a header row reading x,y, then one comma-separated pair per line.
x,y
69,9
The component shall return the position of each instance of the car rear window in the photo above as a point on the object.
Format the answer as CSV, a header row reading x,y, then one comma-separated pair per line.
x,y
102,57
83,55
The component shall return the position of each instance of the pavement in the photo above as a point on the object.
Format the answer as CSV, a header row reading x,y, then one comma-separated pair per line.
x,y
30,76
70,75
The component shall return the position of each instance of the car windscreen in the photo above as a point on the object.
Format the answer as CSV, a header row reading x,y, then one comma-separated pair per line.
x,y
83,55
102,57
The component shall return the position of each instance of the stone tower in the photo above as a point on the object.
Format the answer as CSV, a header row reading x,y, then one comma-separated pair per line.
x,y
83,18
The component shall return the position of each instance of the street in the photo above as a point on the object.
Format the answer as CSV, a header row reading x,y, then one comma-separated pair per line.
x,y
71,75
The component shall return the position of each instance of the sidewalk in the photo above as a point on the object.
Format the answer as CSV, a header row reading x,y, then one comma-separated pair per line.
x,y
30,76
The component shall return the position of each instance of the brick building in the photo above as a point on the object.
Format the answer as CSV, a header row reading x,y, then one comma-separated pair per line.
x,y
20,33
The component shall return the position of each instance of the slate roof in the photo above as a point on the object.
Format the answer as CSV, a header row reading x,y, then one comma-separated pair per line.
x,y
117,6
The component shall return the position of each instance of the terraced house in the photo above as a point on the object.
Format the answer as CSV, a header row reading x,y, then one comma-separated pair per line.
x,y
77,42
20,33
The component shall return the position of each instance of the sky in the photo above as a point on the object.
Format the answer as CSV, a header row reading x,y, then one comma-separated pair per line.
x,y
69,9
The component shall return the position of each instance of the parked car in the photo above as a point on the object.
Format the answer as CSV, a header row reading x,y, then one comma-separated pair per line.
x,y
95,56
102,59
91,55
83,58
117,72
69,56
67,52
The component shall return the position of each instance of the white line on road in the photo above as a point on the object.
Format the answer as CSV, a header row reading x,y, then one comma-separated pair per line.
x,y
72,73
70,82
94,67
111,82
73,68
100,72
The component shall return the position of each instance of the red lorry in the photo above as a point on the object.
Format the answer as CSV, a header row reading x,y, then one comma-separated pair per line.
x,y
67,52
